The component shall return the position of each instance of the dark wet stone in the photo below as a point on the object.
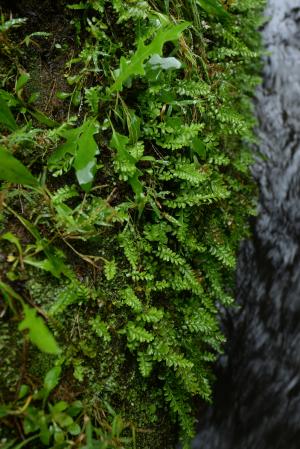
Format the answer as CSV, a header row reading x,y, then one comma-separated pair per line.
x,y
257,396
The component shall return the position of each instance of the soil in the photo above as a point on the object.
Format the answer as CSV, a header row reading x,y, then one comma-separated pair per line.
x,y
45,57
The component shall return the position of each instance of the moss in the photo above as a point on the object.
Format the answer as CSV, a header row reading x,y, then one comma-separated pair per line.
x,y
12,356
105,371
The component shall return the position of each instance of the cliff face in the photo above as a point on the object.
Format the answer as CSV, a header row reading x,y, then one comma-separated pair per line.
x,y
125,191
261,403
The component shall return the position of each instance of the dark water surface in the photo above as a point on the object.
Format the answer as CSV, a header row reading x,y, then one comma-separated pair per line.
x,y
257,400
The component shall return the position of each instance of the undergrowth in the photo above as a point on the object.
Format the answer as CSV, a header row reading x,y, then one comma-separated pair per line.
x,y
126,191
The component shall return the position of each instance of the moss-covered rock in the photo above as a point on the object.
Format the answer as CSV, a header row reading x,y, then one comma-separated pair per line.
x,y
139,137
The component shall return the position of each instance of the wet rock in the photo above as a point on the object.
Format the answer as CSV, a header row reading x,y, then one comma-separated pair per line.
x,y
257,396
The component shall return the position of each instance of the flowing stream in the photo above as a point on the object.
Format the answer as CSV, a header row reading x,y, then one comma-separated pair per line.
x,y
257,397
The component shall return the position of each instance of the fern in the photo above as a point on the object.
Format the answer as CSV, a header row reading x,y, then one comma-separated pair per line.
x,y
64,194
129,247
110,269
145,364
131,300
100,329
72,293
152,315
137,334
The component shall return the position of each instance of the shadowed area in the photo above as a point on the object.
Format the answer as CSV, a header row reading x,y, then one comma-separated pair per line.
x,y
257,397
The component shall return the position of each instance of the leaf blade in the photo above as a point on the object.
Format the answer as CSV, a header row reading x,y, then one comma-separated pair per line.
x,y
134,66
12,170
85,161
51,379
6,117
39,333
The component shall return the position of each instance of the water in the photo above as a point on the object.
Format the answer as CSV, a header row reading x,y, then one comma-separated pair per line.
x,y
257,399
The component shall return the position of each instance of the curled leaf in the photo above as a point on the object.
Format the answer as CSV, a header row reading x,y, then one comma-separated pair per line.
x,y
38,332
157,62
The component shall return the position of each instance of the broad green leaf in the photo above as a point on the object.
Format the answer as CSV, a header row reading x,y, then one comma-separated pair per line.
x,y
63,95
59,436
81,145
13,239
14,171
199,147
30,423
38,333
44,433
74,429
63,420
135,66
51,379
85,161
136,184
60,406
75,408
21,81
119,142
24,390
6,117
213,7
45,265
9,99
157,62
68,147
42,118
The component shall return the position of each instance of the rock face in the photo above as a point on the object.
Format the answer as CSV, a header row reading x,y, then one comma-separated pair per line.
x,y
257,400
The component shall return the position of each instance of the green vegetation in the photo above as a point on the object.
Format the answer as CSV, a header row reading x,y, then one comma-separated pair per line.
x,y
125,194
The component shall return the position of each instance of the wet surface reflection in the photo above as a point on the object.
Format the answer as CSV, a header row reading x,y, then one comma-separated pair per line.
x,y
257,398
